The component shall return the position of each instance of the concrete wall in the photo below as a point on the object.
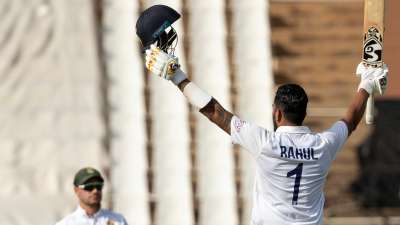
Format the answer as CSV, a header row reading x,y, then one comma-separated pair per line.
x,y
392,46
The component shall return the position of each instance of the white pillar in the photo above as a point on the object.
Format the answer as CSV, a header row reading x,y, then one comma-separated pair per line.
x,y
215,161
253,71
51,107
171,140
127,111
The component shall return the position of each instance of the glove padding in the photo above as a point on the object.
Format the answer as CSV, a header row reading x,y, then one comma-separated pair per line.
x,y
164,65
373,80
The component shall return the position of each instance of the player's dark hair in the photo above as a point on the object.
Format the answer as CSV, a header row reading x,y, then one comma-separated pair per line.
x,y
292,100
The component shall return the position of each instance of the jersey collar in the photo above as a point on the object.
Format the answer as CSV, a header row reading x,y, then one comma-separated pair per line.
x,y
293,129
81,212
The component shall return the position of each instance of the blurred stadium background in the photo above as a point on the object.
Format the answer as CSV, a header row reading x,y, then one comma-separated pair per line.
x,y
74,93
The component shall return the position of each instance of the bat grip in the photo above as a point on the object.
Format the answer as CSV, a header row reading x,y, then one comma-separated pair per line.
x,y
369,111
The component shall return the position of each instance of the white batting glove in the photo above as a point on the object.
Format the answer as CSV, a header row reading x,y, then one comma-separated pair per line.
x,y
164,65
373,80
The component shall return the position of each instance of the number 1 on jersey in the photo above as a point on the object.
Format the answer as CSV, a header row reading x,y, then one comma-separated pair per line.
x,y
297,171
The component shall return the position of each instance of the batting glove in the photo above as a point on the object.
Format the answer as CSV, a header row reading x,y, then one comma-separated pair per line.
x,y
164,65
373,80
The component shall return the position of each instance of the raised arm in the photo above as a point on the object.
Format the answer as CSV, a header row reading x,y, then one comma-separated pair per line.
x,y
356,110
164,65
212,110
373,80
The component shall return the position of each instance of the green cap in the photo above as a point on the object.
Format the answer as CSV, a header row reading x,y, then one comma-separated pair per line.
x,y
85,174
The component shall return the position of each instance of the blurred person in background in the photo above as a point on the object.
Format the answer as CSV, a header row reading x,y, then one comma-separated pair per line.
x,y
88,186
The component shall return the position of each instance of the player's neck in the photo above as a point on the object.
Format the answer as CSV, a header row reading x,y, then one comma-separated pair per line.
x,y
287,123
90,209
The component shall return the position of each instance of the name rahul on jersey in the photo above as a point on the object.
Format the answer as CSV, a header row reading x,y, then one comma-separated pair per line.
x,y
290,152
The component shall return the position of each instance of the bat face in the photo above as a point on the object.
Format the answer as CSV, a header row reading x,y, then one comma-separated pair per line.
x,y
372,52
374,12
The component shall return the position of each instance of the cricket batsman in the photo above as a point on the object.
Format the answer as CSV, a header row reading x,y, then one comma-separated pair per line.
x,y
292,162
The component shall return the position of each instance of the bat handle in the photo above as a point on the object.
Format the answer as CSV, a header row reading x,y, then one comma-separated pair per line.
x,y
369,111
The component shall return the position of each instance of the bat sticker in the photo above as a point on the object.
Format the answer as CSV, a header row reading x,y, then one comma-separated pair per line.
x,y
373,47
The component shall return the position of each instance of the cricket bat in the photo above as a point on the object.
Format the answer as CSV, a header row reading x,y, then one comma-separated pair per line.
x,y
374,13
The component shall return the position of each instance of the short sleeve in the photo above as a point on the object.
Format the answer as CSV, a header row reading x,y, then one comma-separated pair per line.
x,y
336,136
248,135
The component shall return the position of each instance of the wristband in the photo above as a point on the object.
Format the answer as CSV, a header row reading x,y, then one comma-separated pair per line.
x,y
196,96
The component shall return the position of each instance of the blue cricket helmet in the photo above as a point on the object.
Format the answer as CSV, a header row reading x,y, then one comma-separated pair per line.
x,y
152,24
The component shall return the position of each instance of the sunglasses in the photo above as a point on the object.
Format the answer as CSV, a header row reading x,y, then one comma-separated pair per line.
x,y
91,187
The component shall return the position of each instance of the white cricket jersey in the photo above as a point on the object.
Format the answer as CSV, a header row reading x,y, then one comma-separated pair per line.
x,y
102,217
292,164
